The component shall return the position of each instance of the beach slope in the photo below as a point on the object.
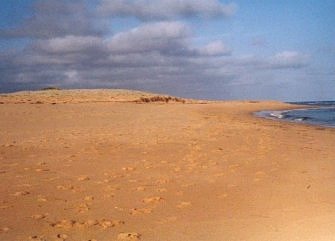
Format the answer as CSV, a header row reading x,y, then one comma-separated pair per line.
x,y
122,165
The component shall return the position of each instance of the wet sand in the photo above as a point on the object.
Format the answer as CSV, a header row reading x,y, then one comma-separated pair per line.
x,y
111,165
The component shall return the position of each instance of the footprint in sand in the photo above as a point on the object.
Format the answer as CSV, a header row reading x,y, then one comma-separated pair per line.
x,y
138,211
233,167
140,189
39,216
184,204
103,223
162,181
83,178
61,237
13,164
37,238
22,193
260,173
129,237
259,176
53,178
111,188
152,200
168,220
83,207
106,181
8,145
5,206
42,169
89,198
107,196
106,223
179,193
24,185
231,186
214,163
91,223
224,195
4,230
162,190
128,169
107,174
68,187
211,180
41,198
220,174
64,224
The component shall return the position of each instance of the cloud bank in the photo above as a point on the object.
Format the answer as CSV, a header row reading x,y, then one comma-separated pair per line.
x,y
70,45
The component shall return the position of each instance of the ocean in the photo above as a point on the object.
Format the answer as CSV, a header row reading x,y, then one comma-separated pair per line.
x,y
320,113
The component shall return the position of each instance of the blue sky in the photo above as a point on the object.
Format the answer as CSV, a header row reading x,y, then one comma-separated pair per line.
x,y
283,50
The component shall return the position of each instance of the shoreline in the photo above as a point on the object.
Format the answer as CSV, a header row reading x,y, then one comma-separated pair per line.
x,y
160,170
279,115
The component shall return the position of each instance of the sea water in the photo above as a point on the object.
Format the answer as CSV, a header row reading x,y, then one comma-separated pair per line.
x,y
319,113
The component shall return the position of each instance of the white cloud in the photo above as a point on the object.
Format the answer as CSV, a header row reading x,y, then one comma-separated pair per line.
x,y
166,9
56,18
288,59
215,48
70,44
71,76
160,36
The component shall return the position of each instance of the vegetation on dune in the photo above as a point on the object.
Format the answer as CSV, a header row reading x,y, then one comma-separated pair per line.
x,y
51,88
158,98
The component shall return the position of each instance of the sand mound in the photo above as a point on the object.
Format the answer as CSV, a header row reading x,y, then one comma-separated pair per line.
x,y
56,96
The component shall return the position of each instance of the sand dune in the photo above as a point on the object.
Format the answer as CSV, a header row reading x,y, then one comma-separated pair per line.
x,y
122,165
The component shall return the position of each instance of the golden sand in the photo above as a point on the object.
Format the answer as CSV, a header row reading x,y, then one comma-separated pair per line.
x,y
105,165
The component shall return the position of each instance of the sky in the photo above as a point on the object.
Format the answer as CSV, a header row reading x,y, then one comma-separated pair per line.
x,y
209,49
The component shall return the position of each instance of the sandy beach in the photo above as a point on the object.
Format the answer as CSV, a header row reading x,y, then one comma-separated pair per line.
x,y
104,165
